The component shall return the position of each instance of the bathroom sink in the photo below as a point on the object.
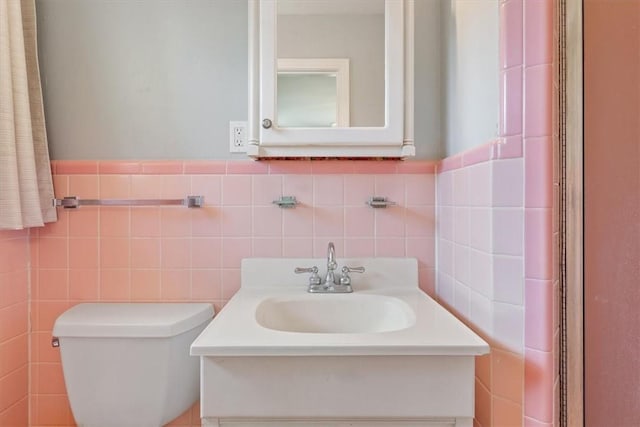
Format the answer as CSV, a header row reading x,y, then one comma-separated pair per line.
x,y
386,315
335,314
385,352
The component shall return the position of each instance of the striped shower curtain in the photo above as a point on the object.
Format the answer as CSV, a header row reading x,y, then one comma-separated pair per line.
x,y
26,187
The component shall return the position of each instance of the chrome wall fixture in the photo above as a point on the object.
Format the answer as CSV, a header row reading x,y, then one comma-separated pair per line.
x,y
378,202
286,202
72,202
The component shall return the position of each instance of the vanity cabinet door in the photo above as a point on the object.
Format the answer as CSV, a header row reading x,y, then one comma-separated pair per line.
x,y
331,78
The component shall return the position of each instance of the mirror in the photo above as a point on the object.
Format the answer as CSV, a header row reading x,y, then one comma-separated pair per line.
x,y
317,30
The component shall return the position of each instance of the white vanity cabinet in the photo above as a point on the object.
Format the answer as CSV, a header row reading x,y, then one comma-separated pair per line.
x,y
302,106
338,391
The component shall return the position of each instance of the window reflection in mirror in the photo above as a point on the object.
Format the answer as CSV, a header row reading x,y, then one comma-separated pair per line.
x,y
353,30
313,92
307,99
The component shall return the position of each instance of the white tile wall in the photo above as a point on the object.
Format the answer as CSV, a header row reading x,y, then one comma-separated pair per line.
x,y
480,227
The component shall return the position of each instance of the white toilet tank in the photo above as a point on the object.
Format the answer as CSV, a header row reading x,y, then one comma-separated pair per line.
x,y
128,364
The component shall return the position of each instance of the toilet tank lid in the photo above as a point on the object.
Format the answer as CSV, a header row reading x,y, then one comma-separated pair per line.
x,y
143,320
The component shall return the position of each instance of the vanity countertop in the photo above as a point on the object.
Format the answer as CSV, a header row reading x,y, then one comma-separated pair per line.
x,y
236,330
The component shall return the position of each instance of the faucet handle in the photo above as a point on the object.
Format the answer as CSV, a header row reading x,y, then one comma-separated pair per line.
x,y
345,279
314,279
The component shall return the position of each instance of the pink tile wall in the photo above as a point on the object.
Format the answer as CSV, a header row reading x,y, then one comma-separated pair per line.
x,y
497,233
541,207
179,254
14,346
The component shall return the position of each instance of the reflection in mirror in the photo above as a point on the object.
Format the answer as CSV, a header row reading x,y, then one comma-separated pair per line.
x,y
307,100
313,92
349,29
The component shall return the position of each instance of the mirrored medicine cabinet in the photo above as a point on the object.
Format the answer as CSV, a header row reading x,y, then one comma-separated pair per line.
x,y
331,78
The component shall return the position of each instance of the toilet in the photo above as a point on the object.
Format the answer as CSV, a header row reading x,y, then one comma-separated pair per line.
x,y
128,364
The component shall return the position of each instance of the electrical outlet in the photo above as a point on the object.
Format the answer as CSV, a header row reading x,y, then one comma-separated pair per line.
x,y
238,137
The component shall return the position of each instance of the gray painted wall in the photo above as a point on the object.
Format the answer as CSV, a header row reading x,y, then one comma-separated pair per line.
x,y
470,30
161,79
144,79
428,80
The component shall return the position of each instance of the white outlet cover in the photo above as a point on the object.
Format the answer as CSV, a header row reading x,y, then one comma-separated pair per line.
x,y
237,137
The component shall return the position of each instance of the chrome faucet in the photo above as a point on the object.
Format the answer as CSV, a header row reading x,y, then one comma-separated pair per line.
x,y
332,282
330,279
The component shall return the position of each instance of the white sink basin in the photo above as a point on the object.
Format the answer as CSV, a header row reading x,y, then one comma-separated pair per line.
x,y
335,314
387,315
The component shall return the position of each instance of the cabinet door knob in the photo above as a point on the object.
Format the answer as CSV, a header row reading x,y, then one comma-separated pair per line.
x,y
267,123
